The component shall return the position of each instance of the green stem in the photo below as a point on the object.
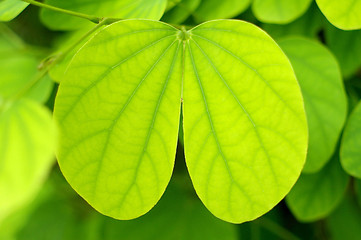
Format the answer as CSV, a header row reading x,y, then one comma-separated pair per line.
x,y
278,230
51,61
91,18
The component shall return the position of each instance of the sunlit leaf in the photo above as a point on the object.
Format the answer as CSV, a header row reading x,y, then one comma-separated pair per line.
x,y
344,14
351,144
245,131
315,195
279,11
119,116
215,9
9,9
26,152
124,9
325,100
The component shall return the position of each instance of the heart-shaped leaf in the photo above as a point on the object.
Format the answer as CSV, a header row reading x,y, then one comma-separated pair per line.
x,y
118,107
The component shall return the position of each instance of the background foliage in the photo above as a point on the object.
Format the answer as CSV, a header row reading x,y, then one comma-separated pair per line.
x,y
323,43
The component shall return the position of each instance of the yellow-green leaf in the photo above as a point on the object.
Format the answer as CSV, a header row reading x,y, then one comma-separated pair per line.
x,y
245,132
118,108
344,14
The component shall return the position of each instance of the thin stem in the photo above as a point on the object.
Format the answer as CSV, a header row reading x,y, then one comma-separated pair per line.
x,y
51,61
91,18
278,230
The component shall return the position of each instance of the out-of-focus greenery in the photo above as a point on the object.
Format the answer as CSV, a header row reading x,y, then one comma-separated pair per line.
x,y
322,40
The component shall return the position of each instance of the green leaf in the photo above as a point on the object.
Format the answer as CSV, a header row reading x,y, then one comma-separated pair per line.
x,y
315,195
181,12
215,9
9,9
325,100
344,14
118,108
351,144
124,9
345,221
245,131
308,25
119,121
26,152
346,45
279,11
